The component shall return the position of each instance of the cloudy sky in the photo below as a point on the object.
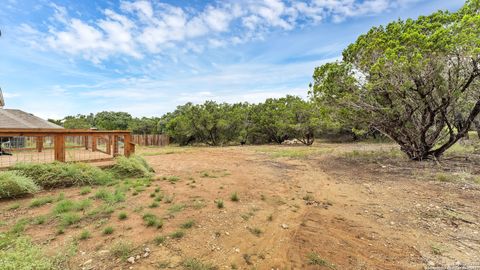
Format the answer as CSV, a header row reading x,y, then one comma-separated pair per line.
x,y
61,58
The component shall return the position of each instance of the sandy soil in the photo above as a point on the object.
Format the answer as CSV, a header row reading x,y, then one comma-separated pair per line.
x,y
320,208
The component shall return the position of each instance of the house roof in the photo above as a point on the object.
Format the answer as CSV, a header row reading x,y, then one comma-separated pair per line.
x,y
10,118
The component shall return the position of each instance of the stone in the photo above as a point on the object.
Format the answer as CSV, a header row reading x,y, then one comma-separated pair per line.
x,y
131,260
284,226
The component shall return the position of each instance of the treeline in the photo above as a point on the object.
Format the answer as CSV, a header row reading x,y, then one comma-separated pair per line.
x,y
212,123
111,121
416,82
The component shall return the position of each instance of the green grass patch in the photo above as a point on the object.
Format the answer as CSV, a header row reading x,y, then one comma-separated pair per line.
x,y
159,240
41,201
176,208
84,235
14,184
315,259
59,174
108,230
122,249
68,219
194,264
188,224
177,234
85,190
122,216
152,221
134,166
234,197
21,253
13,206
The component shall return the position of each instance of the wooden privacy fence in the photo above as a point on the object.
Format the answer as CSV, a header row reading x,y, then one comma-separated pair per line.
x,y
151,139
64,145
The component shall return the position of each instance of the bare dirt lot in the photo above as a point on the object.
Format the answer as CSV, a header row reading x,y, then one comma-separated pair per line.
x,y
330,206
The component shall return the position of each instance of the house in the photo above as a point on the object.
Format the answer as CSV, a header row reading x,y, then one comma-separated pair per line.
x,y
18,119
13,119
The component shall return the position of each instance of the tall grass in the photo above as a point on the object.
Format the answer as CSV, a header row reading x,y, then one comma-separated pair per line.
x,y
13,184
134,166
58,174
20,253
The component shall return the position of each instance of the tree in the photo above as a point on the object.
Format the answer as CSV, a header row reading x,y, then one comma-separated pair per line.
x,y
409,79
112,120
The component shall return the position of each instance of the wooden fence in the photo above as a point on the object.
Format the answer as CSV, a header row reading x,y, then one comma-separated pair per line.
x,y
64,145
151,140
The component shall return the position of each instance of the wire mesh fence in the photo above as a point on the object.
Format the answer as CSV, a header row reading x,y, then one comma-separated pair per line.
x,y
74,148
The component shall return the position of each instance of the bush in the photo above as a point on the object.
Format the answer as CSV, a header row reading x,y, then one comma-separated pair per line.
x,y
59,174
21,253
13,184
134,166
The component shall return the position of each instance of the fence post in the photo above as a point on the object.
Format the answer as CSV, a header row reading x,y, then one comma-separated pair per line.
x,y
109,145
39,140
59,144
94,143
85,141
128,146
115,145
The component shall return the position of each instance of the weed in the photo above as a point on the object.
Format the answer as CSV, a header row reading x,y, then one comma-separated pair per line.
x,y
219,204
152,221
177,234
153,205
21,253
234,197
173,179
122,249
63,206
19,226
168,199
13,206
308,197
85,190
188,224
160,240
122,216
69,219
84,235
256,231
158,198
436,249
157,190
315,259
40,201
40,220
270,217
152,195
176,208
108,230
194,264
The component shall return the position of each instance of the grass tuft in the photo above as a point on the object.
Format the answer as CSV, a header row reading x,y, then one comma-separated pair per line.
x,y
14,184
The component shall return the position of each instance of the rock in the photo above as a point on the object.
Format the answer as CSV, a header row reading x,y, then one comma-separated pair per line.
x,y
147,249
131,260
430,263
285,226
138,257
237,250
227,233
146,254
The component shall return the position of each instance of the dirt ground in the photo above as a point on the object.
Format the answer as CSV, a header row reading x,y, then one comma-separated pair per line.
x,y
330,206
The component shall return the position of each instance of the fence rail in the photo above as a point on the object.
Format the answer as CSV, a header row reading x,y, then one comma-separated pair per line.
x,y
151,140
64,145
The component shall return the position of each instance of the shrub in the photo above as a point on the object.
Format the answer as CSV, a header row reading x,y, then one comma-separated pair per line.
x,y
21,253
134,166
59,174
13,184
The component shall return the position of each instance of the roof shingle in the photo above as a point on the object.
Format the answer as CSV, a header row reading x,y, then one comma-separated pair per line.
x,y
10,118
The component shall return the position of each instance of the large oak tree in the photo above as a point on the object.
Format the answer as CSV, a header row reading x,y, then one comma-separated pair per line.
x,y
410,80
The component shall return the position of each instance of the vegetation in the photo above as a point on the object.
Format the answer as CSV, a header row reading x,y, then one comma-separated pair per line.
x,y
416,81
41,201
194,264
59,174
13,184
134,166
20,253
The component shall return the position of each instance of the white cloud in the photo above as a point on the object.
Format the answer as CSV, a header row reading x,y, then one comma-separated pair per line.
x,y
142,27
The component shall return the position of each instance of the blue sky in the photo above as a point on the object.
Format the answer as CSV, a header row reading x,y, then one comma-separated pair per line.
x,y
61,58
